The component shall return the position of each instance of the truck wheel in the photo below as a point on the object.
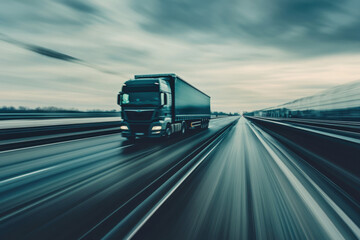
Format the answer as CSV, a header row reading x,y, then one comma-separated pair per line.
x,y
167,132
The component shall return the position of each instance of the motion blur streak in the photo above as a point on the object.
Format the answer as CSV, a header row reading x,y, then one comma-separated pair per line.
x,y
63,190
253,187
240,179
341,102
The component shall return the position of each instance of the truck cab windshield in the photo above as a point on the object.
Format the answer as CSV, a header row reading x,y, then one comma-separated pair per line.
x,y
141,98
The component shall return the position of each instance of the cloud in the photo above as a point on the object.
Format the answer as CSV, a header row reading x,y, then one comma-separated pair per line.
x,y
300,27
51,53
54,54
39,50
39,16
246,54
82,6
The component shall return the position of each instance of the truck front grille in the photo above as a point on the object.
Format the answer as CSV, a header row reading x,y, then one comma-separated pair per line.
x,y
139,116
139,128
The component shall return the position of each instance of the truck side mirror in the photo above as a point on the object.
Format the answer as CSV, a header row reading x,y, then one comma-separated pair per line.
x,y
163,99
119,96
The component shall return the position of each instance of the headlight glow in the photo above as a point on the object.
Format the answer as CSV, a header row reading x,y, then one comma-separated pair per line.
x,y
124,127
156,128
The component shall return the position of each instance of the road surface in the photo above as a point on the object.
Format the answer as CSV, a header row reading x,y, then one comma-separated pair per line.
x,y
232,181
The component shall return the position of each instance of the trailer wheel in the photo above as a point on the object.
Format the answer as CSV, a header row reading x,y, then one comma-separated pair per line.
x,y
202,124
206,124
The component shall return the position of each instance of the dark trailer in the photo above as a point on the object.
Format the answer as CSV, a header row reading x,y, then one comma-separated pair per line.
x,y
162,104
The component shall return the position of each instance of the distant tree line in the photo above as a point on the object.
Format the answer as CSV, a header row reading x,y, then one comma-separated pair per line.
x,y
224,114
21,109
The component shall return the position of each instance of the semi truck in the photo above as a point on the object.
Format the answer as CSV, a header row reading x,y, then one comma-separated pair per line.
x,y
159,105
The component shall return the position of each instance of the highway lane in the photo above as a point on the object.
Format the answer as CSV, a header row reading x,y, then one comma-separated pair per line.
x,y
247,185
253,187
62,190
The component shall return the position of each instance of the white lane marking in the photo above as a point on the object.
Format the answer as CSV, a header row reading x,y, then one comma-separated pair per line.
x,y
354,228
6,181
56,143
349,139
24,175
318,212
163,199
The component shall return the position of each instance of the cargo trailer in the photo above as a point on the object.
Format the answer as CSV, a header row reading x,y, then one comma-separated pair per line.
x,y
159,105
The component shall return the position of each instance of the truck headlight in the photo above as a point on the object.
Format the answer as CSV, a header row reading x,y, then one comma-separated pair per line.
x,y
156,128
124,127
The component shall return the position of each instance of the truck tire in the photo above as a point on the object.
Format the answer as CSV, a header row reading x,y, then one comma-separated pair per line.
x,y
167,132
206,124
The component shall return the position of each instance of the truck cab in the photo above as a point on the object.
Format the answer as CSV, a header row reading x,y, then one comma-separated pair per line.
x,y
145,108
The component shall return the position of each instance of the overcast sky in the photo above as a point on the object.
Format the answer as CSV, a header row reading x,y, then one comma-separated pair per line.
x,y
246,55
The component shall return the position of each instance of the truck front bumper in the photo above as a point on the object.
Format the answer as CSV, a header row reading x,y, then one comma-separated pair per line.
x,y
142,130
151,134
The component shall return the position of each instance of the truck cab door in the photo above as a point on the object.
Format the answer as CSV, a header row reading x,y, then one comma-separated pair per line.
x,y
163,99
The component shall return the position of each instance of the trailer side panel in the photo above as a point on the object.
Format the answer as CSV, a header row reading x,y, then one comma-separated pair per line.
x,y
190,103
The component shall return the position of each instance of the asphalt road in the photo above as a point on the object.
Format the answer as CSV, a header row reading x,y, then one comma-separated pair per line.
x,y
62,190
228,182
252,188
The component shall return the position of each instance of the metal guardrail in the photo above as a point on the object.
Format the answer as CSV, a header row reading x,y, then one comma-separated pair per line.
x,y
21,137
36,115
